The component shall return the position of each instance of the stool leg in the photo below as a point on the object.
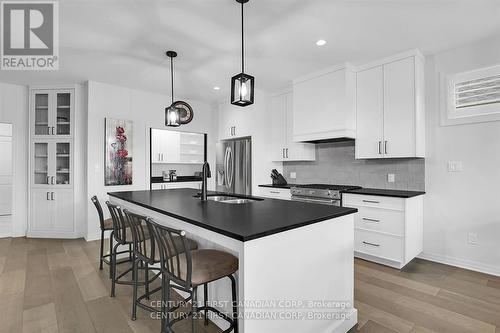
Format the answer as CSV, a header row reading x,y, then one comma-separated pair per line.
x,y
146,280
130,251
111,253
205,301
113,269
165,304
102,250
134,297
235,303
194,302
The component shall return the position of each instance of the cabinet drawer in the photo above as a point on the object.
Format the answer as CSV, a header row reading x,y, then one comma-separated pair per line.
x,y
275,193
361,200
383,220
379,245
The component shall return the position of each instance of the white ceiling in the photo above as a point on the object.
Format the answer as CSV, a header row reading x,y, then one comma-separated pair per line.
x,y
123,41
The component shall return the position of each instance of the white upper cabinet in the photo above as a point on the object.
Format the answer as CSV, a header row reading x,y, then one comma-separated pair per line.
x,y
370,113
234,121
389,108
52,113
283,148
177,147
323,105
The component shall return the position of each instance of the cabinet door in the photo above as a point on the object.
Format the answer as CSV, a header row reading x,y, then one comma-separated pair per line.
x,y
41,163
63,108
369,113
41,210
295,151
41,116
279,127
62,201
399,108
170,147
156,146
62,153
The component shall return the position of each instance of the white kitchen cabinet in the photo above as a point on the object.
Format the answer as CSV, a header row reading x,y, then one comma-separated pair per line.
x,y
51,213
323,105
52,163
275,193
52,113
174,147
389,108
234,122
388,230
283,148
172,185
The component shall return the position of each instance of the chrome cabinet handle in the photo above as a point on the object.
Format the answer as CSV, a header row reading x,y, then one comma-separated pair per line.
x,y
380,147
52,180
48,130
371,201
370,220
371,244
283,152
53,131
274,192
287,153
48,180
48,196
51,195
385,147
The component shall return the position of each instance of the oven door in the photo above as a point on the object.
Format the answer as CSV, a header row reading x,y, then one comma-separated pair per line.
x,y
323,201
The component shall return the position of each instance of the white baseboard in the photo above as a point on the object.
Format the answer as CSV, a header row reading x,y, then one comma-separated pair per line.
x,y
466,264
97,236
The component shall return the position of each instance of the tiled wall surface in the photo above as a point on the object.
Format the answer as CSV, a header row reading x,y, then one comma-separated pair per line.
x,y
335,164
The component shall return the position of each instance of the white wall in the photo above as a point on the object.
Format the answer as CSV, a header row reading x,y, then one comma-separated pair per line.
x,y
146,110
462,202
257,122
14,110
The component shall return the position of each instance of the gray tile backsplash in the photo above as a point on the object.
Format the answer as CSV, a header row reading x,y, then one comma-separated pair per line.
x,y
335,164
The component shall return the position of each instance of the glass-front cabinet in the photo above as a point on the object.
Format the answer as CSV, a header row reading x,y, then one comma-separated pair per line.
x,y
52,163
52,112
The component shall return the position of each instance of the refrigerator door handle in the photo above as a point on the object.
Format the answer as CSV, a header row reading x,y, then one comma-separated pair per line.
x,y
226,179
230,165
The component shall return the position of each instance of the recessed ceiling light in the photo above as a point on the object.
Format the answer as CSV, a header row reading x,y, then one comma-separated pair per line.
x,y
216,88
321,42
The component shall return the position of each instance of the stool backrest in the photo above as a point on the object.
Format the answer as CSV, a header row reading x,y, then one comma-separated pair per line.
x,y
119,224
142,236
98,206
175,256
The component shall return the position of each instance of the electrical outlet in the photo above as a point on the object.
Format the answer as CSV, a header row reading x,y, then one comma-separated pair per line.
x,y
293,175
472,238
454,166
390,178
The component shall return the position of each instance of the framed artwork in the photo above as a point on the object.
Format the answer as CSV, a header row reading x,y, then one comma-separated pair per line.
x,y
118,152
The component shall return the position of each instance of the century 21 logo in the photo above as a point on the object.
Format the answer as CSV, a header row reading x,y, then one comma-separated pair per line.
x,y
29,34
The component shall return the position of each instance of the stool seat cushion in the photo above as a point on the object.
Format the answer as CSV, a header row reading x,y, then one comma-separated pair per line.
x,y
108,224
209,265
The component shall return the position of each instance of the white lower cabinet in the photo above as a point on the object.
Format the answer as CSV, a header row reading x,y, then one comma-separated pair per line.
x,y
168,186
388,230
275,193
51,213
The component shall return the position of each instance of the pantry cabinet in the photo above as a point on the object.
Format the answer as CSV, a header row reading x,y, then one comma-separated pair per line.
x,y
283,148
51,195
389,108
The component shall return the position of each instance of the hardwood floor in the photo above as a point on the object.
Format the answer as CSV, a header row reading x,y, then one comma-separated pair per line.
x,y
55,286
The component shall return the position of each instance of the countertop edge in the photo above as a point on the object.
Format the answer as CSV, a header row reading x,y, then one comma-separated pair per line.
x,y
386,192
230,234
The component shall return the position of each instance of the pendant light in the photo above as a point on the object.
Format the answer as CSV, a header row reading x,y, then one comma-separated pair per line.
x,y
172,114
242,85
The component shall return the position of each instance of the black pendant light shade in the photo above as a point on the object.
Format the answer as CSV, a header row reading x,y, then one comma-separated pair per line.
x,y
172,114
242,85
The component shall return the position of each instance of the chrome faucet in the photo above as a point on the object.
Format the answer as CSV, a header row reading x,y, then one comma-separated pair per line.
x,y
206,174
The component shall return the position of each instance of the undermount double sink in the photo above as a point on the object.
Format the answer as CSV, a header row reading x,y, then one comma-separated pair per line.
x,y
230,199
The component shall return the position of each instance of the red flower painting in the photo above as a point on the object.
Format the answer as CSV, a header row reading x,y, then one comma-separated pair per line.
x,y
118,156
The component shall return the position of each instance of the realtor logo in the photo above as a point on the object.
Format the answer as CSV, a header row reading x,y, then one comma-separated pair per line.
x,y
30,33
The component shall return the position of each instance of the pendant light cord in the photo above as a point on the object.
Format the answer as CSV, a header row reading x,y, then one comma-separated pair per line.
x,y
172,76
242,43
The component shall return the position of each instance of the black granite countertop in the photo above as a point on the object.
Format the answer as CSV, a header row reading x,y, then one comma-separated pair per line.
x,y
180,179
277,186
386,193
243,222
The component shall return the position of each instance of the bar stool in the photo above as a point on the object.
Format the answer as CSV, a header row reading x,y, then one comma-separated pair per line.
x,y
123,237
106,225
188,270
146,254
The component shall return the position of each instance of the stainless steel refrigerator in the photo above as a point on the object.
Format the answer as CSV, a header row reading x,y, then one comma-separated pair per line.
x,y
234,166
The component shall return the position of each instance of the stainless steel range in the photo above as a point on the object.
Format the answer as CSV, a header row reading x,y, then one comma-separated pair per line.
x,y
320,193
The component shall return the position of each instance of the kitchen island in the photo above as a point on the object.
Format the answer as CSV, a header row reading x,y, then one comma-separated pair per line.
x,y
296,270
